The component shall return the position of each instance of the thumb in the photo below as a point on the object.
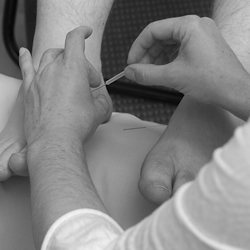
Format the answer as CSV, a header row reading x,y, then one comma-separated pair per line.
x,y
155,182
27,68
94,77
18,163
150,74
103,108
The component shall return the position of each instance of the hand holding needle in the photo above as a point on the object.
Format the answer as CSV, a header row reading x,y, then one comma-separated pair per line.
x,y
111,80
120,75
114,78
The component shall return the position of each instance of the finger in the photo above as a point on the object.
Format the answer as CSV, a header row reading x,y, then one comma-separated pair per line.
x,y
94,77
149,74
152,53
75,42
18,163
155,182
48,57
27,67
102,109
157,31
5,173
159,53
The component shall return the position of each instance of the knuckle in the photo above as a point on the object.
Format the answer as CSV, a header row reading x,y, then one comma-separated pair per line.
x,y
150,26
208,21
70,34
193,19
75,32
49,53
194,22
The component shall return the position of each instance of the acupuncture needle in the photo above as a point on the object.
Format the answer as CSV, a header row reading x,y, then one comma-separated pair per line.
x,y
111,80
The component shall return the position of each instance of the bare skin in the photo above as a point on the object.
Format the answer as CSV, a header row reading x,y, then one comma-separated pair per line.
x,y
13,141
50,116
195,129
54,20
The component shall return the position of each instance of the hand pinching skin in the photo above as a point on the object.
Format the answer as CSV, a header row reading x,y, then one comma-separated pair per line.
x,y
58,96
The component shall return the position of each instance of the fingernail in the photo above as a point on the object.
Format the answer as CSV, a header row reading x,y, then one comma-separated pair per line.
x,y
18,154
130,74
21,51
164,193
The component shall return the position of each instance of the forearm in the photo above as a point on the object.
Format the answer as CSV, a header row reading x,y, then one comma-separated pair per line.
x,y
60,181
235,96
55,18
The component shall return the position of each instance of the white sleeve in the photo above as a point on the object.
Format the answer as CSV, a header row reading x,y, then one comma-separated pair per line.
x,y
213,212
84,228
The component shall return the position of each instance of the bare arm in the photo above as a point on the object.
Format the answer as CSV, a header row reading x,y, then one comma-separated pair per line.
x,y
60,181
59,119
55,18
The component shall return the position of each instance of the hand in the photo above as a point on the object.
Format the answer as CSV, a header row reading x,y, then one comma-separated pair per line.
x,y
58,96
205,68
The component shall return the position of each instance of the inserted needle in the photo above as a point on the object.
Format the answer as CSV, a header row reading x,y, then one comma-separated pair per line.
x,y
111,80
115,78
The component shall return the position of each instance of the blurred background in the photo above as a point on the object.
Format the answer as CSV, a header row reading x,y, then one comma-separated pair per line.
x,y
7,66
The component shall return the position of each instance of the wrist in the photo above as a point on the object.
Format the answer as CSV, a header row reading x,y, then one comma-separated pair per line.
x,y
59,177
55,144
235,98
55,135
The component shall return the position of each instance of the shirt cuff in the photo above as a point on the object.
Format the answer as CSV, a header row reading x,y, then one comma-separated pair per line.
x,y
88,228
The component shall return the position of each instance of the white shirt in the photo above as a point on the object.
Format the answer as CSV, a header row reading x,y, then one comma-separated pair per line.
x,y
212,212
